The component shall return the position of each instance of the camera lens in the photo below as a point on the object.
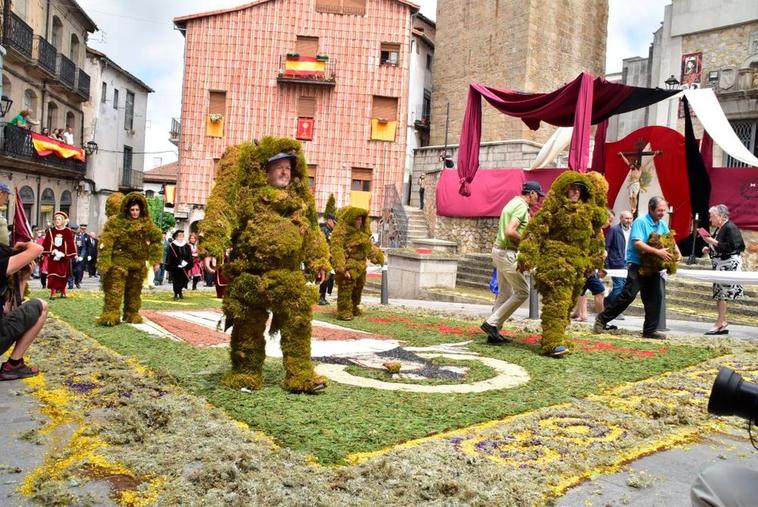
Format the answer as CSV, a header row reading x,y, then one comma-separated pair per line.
x,y
731,395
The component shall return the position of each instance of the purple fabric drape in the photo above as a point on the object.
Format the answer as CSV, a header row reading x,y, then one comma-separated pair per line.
x,y
598,153
580,103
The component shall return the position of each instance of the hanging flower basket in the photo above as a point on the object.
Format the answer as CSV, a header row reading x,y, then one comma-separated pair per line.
x,y
216,117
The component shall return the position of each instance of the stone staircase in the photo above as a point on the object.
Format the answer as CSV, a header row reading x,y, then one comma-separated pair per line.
x,y
417,228
474,271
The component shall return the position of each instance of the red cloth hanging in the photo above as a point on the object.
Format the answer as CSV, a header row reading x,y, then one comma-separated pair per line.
x,y
580,104
21,231
598,153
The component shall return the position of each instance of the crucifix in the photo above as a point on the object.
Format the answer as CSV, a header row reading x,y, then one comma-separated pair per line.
x,y
636,170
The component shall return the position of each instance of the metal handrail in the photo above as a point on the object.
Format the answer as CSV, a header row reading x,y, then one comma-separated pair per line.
x,y
66,70
17,143
46,55
393,227
20,36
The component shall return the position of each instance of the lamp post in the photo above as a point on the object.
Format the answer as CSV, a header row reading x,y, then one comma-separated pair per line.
x,y
671,83
5,105
90,148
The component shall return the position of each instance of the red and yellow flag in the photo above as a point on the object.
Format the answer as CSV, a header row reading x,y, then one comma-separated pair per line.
x,y
45,146
304,66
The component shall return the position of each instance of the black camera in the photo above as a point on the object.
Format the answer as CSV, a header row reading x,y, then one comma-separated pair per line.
x,y
731,395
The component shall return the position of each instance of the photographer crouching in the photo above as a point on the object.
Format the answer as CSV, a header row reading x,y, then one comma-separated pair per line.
x,y
20,322
728,484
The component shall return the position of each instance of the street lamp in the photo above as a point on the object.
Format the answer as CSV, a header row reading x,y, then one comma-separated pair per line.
x,y
671,82
5,105
90,148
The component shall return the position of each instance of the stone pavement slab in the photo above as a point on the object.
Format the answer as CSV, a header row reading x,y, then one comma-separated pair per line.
x,y
18,457
664,478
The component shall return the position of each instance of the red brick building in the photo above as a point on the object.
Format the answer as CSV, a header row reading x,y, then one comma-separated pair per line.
x,y
333,73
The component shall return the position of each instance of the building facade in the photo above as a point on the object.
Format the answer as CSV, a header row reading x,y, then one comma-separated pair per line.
x,y
419,94
703,44
115,119
531,45
43,72
331,73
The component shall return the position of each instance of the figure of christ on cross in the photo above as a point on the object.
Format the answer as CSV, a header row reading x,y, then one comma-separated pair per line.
x,y
636,169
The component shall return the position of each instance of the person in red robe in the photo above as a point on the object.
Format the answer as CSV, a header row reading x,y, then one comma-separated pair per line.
x,y
58,246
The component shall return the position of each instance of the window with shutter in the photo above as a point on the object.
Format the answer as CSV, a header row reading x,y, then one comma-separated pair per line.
x,y
306,46
384,108
330,6
355,7
390,53
306,107
217,103
361,179
312,177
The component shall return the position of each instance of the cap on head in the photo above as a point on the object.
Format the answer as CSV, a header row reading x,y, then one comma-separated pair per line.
x,y
4,189
532,186
283,155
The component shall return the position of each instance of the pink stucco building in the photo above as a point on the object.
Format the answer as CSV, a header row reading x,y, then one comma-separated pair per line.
x,y
333,73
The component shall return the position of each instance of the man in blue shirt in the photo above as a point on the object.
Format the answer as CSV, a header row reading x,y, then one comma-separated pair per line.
x,y
649,286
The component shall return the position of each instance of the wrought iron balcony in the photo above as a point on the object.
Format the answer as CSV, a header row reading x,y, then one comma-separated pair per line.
x,y
66,71
306,70
46,56
176,130
131,179
17,144
82,84
20,36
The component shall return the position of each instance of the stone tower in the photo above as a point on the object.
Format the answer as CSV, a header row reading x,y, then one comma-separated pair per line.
x,y
529,45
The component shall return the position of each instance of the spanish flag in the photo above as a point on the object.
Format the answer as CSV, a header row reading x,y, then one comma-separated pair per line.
x,y
304,66
45,146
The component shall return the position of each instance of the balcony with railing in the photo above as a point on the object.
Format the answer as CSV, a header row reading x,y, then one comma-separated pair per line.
x,y
17,145
19,37
82,84
296,69
131,179
46,56
175,132
66,71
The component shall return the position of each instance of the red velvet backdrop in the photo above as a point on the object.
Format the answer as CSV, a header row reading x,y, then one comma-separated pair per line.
x,y
671,168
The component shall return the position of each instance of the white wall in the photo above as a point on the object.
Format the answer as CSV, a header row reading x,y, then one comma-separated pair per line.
x,y
419,78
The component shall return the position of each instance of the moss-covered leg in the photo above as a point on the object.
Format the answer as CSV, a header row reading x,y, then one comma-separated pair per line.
x,y
133,294
556,305
113,282
357,293
345,297
248,350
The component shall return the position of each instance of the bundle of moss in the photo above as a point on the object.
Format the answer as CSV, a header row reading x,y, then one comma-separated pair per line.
x,y
652,263
351,247
562,243
271,232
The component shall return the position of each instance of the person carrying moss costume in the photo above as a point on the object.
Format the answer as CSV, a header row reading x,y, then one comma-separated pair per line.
x,y
261,207
351,246
645,257
129,240
563,242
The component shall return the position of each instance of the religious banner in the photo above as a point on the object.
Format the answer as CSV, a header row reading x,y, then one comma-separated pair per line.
x,y
304,129
304,66
45,146
692,74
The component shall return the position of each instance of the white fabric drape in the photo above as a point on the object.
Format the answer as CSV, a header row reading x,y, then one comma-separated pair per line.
x,y
708,110
726,277
553,147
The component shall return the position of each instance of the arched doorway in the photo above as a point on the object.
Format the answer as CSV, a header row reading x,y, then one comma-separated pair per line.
x,y
73,53
27,201
57,36
46,207
52,116
66,202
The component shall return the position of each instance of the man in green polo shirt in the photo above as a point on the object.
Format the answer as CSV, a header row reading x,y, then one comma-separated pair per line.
x,y
513,221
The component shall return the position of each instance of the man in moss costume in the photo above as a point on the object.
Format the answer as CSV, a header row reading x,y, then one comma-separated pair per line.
x,y
129,240
351,246
262,208
563,242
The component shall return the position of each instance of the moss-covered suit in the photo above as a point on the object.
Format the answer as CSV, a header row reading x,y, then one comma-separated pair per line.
x,y
272,232
351,247
563,242
126,244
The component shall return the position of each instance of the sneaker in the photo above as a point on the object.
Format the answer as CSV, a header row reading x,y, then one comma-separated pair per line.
x,y
559,351
323,302
610,327
8,372
655,335
599,326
